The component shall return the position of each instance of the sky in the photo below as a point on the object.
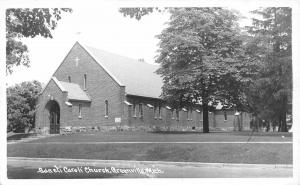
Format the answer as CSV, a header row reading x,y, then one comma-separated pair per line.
x,y
102,27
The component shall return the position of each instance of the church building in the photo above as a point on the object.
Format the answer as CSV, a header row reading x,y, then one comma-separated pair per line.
x,y
96,89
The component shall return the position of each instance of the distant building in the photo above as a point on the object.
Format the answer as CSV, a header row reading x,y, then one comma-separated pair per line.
x,y
93,88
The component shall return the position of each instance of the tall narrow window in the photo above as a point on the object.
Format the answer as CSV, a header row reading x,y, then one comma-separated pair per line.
x,y
177,114
187,114
134,110
79,110
141,110
159,112
173,112
154,112
69,79
84,82
106,108
191,115
225,116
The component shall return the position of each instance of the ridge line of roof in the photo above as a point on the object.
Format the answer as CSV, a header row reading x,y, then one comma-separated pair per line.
x,y
122,56
109,73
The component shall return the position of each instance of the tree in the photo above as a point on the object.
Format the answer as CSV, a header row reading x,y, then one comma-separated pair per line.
x,y
202,58
26,22
271,46
137,13
21,105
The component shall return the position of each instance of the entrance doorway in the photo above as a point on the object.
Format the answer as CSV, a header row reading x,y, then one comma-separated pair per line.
x,y
54,116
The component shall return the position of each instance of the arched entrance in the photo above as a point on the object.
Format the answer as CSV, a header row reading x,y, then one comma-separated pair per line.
x,y
54,116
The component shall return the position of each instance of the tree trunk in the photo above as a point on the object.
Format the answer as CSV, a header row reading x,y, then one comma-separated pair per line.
x,y
205,118
284,126
283,115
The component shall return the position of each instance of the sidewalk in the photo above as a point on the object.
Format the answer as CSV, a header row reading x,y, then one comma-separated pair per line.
x,y
166,169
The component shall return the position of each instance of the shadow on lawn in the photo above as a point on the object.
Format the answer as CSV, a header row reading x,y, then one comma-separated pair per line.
x,y
19,136
237,133
184,132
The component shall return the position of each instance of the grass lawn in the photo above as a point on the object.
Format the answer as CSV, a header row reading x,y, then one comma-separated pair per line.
x,y
127,136
197,152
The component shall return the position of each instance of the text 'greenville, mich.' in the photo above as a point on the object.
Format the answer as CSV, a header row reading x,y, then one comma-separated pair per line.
x,y
107,170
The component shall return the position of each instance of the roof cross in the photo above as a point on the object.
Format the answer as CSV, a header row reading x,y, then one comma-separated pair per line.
x,y
76,60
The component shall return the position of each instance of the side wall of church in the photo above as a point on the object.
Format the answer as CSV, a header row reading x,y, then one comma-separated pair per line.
x,y
166,119
186,120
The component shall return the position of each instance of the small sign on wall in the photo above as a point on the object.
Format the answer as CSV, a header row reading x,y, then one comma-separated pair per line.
x,y
117,120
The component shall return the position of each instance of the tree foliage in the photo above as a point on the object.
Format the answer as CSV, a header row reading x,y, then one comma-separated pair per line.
x,y
139,12
201,54
271,46
27,22
258,79
21,105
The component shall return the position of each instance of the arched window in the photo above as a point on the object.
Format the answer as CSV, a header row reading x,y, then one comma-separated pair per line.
x,y
106,108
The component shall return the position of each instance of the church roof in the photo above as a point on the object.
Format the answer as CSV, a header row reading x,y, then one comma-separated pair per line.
x,y
74,91
139,78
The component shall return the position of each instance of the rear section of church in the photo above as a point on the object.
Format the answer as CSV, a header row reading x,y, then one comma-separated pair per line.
x,y
97,90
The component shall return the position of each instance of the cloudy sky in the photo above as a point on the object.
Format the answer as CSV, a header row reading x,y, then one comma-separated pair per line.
x,y
102,27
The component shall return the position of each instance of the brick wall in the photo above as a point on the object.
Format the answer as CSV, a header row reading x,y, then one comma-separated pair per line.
x,y
165,120
231,121
100,87
51,92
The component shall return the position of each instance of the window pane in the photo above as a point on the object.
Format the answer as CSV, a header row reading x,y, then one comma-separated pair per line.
x,y
84,82
79,110
159,111
141,110
134,110
106,108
